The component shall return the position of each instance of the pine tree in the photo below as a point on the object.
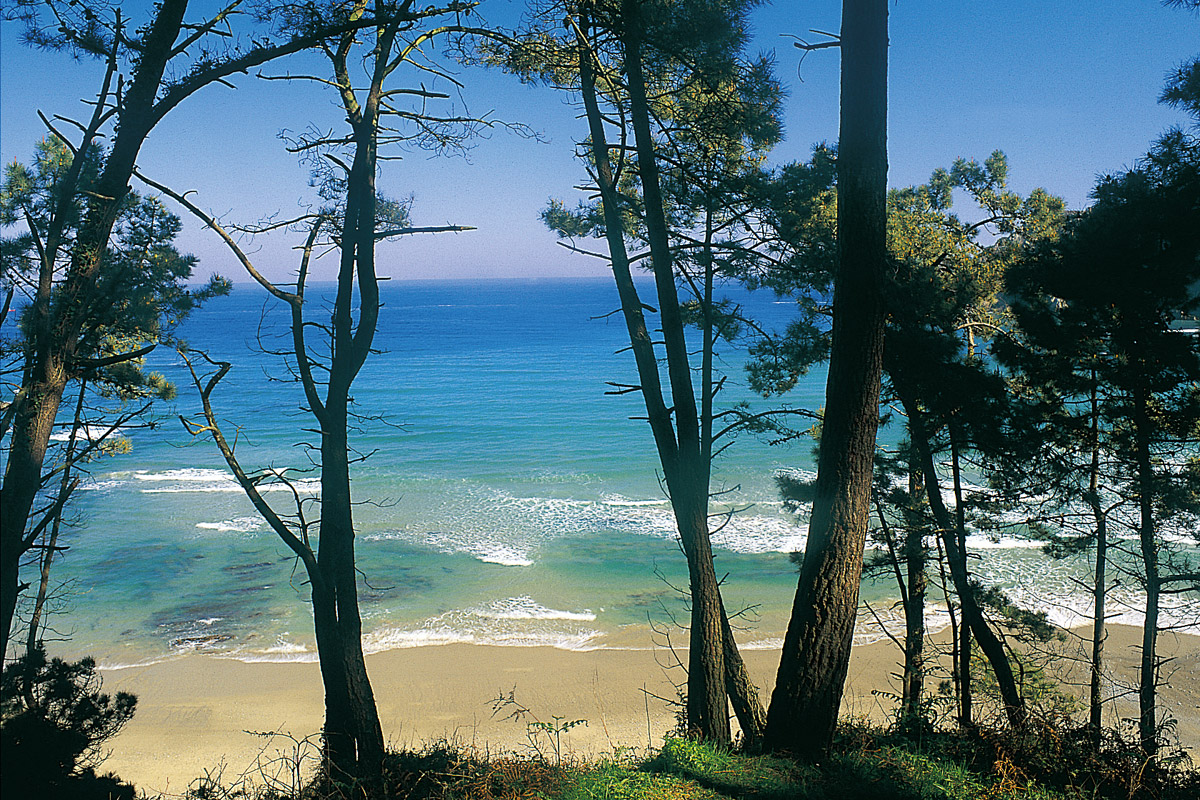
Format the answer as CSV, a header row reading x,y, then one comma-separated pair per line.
x,y
1097,313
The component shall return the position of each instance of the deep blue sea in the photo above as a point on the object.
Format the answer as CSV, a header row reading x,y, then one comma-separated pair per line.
x,y
506,500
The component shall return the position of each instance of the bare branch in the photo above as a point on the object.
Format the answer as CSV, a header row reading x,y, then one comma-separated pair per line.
x,y
241,256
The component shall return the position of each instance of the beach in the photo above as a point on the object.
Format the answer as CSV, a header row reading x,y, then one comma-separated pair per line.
x,y
194,711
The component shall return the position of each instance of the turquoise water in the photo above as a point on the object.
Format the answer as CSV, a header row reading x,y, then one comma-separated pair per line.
x,y
507,499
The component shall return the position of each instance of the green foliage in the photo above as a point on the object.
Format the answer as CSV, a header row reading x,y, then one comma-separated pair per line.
x,y
946,278
1183,88
717,113
141,294
53,721
1096,311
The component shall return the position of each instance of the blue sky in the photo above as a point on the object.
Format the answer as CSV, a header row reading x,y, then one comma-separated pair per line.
x,y
1068,90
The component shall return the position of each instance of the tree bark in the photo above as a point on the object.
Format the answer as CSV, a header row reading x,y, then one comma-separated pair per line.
x,y
816,650
743,694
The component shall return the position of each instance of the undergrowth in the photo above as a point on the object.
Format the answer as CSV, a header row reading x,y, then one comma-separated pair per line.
x,y
865,762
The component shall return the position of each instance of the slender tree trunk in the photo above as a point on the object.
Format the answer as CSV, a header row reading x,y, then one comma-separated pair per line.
x,y
336,557
1100,579
912,692
1148,674
966,695
953,613
816,650
963,654
50,543
708,716
743,694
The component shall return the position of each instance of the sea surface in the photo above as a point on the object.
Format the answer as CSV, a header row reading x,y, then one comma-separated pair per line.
x,y
504,498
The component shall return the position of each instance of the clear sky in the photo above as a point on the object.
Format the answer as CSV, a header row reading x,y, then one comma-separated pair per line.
x,y
1068,90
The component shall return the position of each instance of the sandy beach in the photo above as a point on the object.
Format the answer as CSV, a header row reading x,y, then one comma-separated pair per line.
x,y
194,712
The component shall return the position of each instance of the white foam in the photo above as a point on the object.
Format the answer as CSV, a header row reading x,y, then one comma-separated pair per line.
x,y
501,528
269,657
505,556
757,534
510,554
89,432
282,651
979,541
105,666
796,473
524,607
97,486
617,501
399,639
236,525
510,622
192,475
203,480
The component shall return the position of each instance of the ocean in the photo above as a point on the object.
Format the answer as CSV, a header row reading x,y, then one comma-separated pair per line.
x,y
505,497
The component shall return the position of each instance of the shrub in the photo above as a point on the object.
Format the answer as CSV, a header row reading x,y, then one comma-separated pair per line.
x,y
53,721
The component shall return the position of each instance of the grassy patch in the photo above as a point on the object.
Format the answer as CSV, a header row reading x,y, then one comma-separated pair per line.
x,y
865,762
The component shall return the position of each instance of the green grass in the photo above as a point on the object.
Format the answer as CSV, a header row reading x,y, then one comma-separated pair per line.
x,y
864,762
868,767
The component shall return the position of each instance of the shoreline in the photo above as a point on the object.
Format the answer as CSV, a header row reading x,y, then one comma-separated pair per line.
x,y
194,712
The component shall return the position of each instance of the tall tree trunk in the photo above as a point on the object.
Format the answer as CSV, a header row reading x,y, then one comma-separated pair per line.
x,y
816,649
1099,581
708,715
966,694
912,691
351,345
1148,674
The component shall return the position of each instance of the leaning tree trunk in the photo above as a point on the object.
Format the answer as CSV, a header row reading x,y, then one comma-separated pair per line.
x,y
816,649
743,694
58,329
956,557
